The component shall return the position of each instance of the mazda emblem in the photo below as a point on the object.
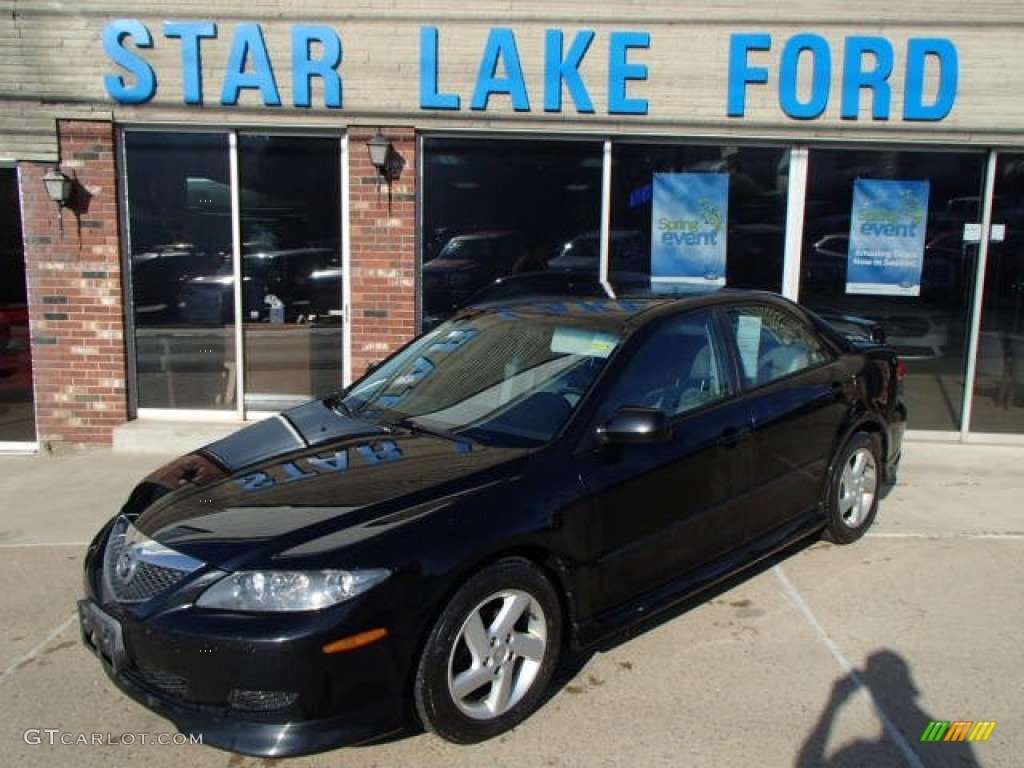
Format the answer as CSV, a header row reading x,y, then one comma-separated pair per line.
x,y
126,566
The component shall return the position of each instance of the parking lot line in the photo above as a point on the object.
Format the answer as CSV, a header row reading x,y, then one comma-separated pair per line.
x,y
798,601
37,649
961,535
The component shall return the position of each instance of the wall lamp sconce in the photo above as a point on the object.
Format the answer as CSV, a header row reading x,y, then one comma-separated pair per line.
x,y
386,160
64,191
379,148
385,157
382,153
60,187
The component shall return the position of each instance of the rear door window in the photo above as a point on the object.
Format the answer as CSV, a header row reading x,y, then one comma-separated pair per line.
x,y
773,343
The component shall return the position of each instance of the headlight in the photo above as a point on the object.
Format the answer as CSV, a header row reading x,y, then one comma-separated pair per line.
x,y
285,591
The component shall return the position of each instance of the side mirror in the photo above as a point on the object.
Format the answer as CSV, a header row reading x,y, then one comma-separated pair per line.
x,y
632,424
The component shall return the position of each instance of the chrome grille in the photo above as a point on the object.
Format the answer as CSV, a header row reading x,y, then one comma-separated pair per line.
x,y
136,568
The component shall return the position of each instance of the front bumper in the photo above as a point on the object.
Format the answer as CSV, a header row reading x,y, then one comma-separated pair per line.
x,y
253,684
277,732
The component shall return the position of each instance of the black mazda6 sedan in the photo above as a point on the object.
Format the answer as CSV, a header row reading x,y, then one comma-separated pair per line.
x,y
524,479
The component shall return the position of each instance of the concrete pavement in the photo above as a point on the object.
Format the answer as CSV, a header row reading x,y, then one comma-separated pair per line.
x,y
837,656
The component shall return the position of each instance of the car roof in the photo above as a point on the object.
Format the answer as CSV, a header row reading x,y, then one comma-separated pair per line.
x,y
572,283
632,309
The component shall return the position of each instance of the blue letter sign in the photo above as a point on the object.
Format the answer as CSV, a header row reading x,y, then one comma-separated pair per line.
x,y
191,32
809,50
560,69
305,67
948,61
145,78
248,44
430,97
501,48
621,70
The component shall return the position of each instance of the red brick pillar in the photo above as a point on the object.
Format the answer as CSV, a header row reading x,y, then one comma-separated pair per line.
x,y
76,312
383,237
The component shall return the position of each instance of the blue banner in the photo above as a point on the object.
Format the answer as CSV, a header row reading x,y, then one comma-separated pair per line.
x,y
887,233
688,224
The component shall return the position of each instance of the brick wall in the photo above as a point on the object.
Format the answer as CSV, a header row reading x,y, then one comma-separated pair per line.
x,y
76,304
383,235
75,295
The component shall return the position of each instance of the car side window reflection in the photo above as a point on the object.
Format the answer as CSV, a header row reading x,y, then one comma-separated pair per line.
x,y
773,343
677,369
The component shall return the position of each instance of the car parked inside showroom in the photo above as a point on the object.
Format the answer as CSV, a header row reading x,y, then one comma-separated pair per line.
x,y
423,547
161,272
301,284
469,261
628,251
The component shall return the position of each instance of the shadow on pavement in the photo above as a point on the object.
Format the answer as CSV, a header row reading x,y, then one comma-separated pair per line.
x,y
886,678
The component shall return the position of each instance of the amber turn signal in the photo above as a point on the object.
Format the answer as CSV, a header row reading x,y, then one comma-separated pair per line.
x,y
352,642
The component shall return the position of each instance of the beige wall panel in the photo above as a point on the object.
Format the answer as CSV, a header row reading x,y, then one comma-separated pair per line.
x,y
51,56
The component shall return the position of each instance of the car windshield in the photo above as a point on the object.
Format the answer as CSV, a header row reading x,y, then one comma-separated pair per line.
x,y
507,377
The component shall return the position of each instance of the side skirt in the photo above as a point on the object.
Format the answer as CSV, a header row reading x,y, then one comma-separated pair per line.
x,y
692,588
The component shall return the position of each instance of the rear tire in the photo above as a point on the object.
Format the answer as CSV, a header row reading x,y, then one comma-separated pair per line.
x,y
491,654
851,496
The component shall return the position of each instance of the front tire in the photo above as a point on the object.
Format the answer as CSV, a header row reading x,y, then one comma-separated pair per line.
x,y
851,496
491,654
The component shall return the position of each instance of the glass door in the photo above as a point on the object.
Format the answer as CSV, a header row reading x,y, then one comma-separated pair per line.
x,y
997,402
207,208
17,403
290,202
179,230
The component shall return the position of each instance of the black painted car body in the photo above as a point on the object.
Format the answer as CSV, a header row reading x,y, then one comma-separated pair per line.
x,y
524,478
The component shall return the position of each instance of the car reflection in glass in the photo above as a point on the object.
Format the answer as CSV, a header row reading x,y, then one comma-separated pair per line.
x,y
278,286
470,261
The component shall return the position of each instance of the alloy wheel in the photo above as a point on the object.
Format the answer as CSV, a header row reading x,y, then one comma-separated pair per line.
x,y
857,487
497,654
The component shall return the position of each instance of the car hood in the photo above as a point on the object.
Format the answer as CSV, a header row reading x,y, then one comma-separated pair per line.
x,y
273,486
